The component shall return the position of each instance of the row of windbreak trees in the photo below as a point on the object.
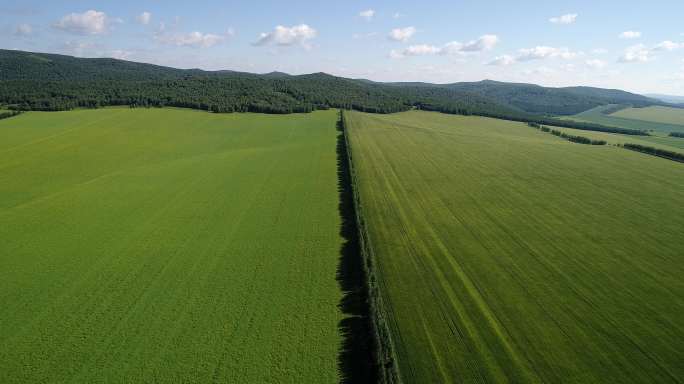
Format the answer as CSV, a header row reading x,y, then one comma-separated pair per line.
x,y
384,354
655,152
677,134
572,138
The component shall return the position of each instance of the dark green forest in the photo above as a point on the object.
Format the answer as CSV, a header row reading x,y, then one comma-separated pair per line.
x,y
49,82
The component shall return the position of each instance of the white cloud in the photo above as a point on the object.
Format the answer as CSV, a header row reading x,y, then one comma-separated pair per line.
x,y
543,52
599,51
635,54
595,63
668,45
402,34
87,23
503,60
286,36
398,15
144,18
483,43
23,30
415,50
564,19
192,39
452,48
630,35
367,14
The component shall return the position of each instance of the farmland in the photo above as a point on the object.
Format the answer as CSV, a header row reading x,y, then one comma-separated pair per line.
x,y
504,254
657,141
164,245
627,119
659,121
656,114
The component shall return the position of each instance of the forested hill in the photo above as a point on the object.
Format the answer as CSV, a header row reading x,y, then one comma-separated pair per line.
x,y
557,101
38,81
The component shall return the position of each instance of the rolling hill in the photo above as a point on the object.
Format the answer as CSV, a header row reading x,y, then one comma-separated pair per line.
x,y
544,100
40,81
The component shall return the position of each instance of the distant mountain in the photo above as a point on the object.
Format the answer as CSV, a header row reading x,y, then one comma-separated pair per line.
x,y
667,98
555,101
276,75
55,82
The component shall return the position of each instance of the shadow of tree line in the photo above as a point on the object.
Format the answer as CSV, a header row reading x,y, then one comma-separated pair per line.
x,y
356,360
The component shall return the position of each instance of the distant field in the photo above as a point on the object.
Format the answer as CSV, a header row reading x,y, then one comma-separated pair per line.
x,y
664,142
656,114
169,246
509,255
595,115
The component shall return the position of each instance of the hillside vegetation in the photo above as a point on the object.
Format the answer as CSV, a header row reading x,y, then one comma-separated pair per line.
x,y
506,254
38,81
555,101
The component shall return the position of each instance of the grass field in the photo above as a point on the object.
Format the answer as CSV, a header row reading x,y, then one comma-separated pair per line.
x,y
169,246
509,255
655,114
657,141
626,118
597,116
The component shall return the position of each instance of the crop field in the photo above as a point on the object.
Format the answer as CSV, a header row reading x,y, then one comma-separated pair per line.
x,y
164,245
658,114
629,121
505,254
657,141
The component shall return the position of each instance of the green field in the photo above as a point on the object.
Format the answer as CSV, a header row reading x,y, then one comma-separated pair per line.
x,y
626,118
506,254
169,245
658,114
656,141
597,116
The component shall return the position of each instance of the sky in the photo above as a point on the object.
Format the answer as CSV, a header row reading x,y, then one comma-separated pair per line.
x,y
633,45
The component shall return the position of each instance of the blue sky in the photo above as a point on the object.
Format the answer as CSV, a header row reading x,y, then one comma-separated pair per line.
x,y
632,45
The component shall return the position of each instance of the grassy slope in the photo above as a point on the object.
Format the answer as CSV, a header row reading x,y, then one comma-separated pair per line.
x,y
595,115
507,254
168,246
656,114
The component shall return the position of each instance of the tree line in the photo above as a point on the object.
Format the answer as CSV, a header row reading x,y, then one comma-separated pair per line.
x,y
572,138
8,114
677,134
656,152
47,82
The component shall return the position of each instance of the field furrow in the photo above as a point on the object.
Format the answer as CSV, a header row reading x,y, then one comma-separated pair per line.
x,y
508,255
